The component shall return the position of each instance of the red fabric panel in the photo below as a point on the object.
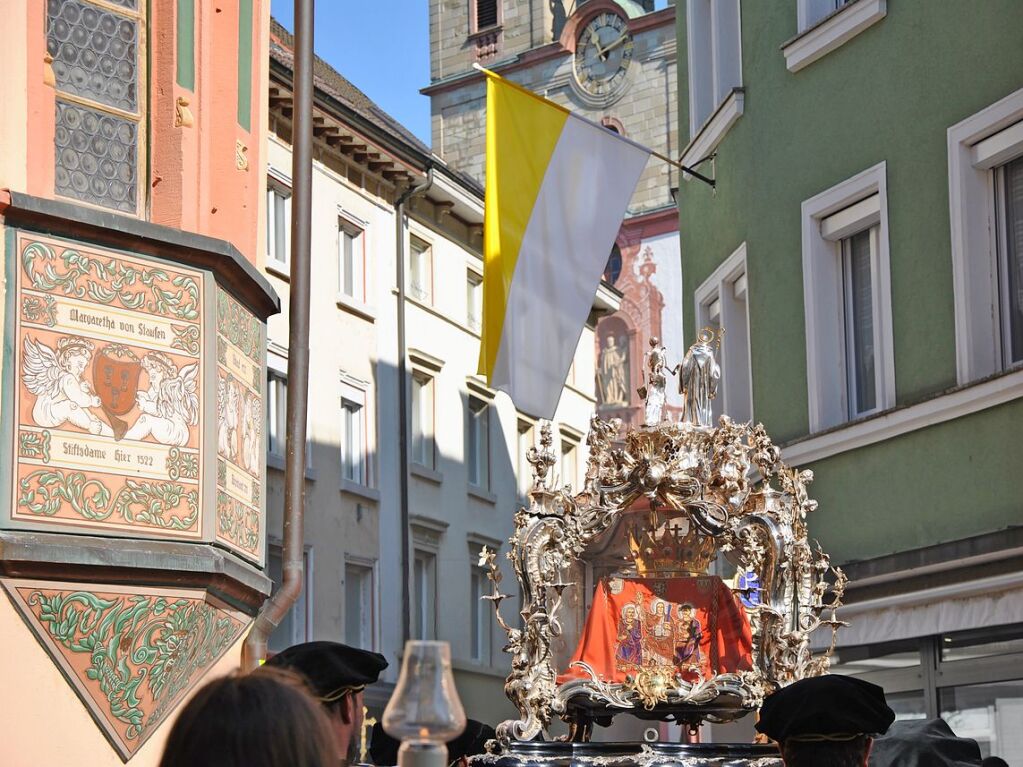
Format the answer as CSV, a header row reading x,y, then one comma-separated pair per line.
x,y
697,626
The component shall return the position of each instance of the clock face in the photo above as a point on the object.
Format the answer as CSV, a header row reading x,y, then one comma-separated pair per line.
x,y
602,56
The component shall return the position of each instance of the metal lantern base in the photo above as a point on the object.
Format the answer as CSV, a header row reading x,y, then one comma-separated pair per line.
x,y
557,754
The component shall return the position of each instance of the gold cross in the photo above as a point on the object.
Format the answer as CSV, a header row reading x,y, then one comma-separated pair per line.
x,y
367,728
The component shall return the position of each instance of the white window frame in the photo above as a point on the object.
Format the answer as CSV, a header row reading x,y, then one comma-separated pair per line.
x,y
714,35
569,474
525,438
278,184
421,608
353,399
480,482
481,630
722,300
851,206
369,566
473,308
349,229
424,420
302,611
277,367
418,292
819,35
977,146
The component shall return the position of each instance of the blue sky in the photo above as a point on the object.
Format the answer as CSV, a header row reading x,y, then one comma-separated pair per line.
x,y
382,47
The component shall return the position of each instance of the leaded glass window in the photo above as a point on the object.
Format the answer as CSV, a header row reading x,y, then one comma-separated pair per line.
x,y
96,52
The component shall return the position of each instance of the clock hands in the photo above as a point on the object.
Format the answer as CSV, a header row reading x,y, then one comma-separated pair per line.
x,y
595,42
612,46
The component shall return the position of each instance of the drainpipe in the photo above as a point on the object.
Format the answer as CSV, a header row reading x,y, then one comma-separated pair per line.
x,y
406,570
281,601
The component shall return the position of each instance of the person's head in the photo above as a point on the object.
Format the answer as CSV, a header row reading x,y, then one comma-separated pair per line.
x,y
687,612
994,761
257,720
654,342
337,675
927,742
825,720
158,366
74,354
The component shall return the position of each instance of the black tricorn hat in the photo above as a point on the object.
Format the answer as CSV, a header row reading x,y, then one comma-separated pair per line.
x,y
332,669
829,707
924,743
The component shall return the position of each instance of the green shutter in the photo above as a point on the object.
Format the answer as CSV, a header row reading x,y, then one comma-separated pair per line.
x,y
186,44
245,64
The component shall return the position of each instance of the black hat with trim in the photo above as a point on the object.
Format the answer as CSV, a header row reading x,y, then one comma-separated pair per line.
x,y
332,669
825,708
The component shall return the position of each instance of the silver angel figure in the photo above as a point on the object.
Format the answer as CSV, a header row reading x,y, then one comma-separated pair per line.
x,y
652,392
698,381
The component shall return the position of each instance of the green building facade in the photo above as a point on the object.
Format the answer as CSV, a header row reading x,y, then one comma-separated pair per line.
x,y
863,251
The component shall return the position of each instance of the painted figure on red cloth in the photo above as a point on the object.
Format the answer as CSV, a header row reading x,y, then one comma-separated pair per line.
x,y
660,633
630,637
687,643
695,625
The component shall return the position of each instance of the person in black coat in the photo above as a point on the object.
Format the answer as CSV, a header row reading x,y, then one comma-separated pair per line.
x,y
924,743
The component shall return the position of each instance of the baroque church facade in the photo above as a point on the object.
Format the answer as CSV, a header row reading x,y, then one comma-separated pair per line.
x,y
614,63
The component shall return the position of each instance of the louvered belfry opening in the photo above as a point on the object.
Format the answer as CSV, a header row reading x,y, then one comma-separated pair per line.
x,y
486,13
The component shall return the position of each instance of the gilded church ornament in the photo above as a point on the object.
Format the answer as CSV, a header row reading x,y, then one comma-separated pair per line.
x,y
664,633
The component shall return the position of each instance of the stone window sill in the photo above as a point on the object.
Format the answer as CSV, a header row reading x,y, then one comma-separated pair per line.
x,y
832,32
354,488
714,130
426,473
482,494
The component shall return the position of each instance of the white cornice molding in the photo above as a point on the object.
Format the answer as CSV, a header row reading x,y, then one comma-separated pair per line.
x,y
832,32
945,407
714,130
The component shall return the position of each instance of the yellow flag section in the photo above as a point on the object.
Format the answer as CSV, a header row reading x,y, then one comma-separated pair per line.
x,y
557,188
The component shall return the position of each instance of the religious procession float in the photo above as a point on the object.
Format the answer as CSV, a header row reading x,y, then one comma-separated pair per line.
x,y
677,585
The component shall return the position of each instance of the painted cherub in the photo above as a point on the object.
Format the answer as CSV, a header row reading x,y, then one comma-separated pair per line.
x,y
227,417
170,405
55,377
252,444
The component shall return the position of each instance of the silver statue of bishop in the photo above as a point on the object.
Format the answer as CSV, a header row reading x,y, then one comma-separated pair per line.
x,y
698,380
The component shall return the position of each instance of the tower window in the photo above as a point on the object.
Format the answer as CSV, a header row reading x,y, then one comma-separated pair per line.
x,y
486,13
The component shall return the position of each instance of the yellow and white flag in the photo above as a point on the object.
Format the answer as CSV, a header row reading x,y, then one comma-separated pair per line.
x,y
557,188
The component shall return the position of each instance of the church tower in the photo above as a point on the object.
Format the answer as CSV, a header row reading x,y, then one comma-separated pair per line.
x,y
614,63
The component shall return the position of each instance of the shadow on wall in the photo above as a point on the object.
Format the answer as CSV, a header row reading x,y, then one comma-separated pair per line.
x,y
353,504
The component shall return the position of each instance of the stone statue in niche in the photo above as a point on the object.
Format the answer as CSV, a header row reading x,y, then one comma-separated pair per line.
x,y
613,372
698,381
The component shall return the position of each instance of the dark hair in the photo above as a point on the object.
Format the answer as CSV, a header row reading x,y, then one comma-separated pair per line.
x,y
994,761
834,753
265,719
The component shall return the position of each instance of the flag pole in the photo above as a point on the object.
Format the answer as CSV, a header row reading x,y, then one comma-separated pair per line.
x,y
664,158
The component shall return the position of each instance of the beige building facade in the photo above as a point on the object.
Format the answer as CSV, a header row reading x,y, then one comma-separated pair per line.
x,y
466,443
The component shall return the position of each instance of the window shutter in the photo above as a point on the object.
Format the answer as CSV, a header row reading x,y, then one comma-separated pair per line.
x,y
486,13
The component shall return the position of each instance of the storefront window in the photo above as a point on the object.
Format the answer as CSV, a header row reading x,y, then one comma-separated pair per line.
x,y
907,705
988,713
986,643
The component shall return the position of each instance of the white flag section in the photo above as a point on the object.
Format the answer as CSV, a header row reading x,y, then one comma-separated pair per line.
x,y
579,208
